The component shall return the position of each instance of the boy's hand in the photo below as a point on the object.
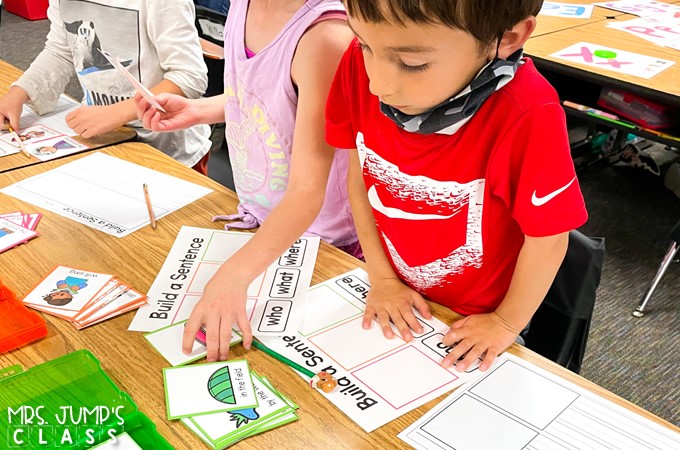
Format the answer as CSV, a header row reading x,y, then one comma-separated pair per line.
x,y
90,121
223,304
478,336
11,106
390,298
179,113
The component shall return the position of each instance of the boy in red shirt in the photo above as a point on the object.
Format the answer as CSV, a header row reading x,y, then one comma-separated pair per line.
x,y
461,181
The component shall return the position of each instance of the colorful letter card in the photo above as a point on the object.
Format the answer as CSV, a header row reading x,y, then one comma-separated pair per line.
x,y
642,8
379,379
568,10
208,388
275,300
168,342
594,55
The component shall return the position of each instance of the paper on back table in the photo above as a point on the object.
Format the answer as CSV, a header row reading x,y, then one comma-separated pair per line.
x,y
105,193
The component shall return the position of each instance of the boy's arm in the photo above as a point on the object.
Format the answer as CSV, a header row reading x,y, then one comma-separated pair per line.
x,y
487,335
389,299
50,72
313,68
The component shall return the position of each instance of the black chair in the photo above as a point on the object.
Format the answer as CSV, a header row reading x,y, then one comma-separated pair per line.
x,y
210,26
559,328
667,260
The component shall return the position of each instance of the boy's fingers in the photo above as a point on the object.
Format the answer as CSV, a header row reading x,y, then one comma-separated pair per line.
x,y
411,319
423,307
368,319
488,360
471,356
403,327
384,321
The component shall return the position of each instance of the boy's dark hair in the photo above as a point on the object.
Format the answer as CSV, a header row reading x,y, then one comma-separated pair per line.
x,y
485,20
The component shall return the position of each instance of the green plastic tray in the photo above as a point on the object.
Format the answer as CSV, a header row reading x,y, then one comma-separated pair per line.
x,y
76,382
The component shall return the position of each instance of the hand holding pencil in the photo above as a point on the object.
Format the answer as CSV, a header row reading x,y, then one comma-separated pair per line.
x,y
17,138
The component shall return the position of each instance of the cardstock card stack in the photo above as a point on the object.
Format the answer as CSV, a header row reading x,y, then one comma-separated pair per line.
x,y
208,388
17,228
221,430
275,301
168,342
82,297
379,379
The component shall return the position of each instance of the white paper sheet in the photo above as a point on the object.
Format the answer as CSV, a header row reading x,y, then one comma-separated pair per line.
x,y
275,300
105,193
379,379
518,405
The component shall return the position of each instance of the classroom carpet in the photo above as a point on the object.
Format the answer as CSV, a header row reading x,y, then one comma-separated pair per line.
x,y
638,359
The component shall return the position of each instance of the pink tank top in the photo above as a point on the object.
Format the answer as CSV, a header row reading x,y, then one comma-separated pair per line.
x,y
260,120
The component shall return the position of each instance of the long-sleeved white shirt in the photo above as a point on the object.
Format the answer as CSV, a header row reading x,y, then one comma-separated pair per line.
x,y
156,40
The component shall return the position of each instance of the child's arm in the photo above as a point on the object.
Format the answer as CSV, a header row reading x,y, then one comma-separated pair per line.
x,y
223,302
487,335
180,112
389,298
46,78
89,121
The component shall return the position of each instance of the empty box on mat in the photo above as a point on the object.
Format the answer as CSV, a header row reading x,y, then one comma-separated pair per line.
x,y
18,325
28,9
71,394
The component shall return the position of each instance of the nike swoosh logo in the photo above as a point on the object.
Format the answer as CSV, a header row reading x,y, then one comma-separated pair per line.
x,y
540,201
395,213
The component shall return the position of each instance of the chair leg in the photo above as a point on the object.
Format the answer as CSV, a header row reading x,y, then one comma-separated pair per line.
x,y
670,254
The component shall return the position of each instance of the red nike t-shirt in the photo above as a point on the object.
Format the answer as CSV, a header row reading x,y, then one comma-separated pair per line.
x,y
452,211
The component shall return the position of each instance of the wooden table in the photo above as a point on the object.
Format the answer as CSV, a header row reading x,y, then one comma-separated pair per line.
x,y
135,367
664,87
8,75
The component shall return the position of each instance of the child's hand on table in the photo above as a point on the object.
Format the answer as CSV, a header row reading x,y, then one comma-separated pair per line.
x,y
179,113
482,336
11,106
390,299
90,121
223,304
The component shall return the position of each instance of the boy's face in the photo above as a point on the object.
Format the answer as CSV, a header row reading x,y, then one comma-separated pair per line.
x,y
416,67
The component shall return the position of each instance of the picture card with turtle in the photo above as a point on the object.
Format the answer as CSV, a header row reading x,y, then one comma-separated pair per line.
x,y
208,388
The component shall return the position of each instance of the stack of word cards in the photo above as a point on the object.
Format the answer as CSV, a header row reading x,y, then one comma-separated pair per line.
x,y
81,297
168,342
17,228
45,137
379,379
225,402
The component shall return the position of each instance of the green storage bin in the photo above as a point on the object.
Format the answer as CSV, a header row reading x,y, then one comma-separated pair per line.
x,y
74,382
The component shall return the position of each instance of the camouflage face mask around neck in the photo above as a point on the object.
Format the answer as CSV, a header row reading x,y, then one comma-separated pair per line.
x,y
450,115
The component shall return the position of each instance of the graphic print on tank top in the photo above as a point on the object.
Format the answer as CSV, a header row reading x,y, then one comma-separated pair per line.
x,y
255,151
424,209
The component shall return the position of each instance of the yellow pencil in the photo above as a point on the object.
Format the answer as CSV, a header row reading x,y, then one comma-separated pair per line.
x,y
152,217
18,139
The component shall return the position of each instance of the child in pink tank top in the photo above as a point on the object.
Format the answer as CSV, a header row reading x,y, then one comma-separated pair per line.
x,y
288,180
